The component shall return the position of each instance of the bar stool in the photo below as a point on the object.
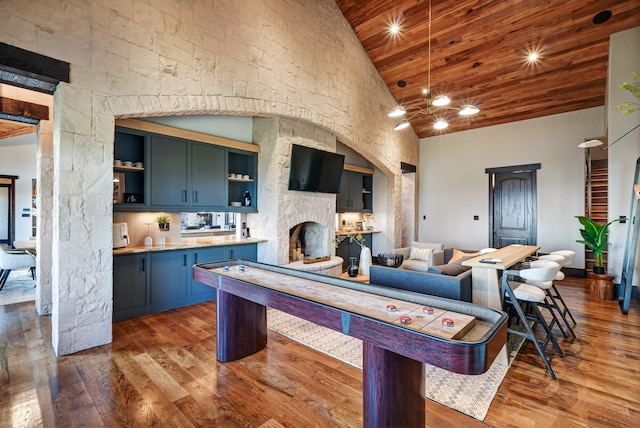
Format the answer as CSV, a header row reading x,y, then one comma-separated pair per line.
x,y
551,302
516,295
567,256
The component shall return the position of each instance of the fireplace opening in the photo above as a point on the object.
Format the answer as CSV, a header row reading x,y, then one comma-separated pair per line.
x,y
308,240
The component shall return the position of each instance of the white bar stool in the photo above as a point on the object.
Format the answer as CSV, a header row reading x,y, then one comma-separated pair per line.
x,y
516,294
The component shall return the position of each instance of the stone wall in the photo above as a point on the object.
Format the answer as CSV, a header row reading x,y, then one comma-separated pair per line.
x,y
297,62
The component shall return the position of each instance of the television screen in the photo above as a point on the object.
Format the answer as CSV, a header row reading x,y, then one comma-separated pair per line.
x,y
314,170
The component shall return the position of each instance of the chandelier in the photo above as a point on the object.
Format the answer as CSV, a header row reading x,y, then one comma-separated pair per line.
x,y
430,105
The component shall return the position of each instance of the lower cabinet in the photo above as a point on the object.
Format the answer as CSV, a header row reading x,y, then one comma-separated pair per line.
x,y
203,255
145,283
130,293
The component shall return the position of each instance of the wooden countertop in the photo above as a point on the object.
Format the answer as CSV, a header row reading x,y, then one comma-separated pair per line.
x,y
188,243
508,256
356,232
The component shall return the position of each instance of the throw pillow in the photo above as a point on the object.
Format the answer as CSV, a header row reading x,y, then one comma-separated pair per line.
x,y
451,269
423,254
457,255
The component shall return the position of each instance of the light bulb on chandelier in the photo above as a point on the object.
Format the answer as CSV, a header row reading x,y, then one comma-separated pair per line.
x,y
429,105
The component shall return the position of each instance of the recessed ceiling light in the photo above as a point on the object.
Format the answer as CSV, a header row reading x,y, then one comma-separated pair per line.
x,y
601,17
533,56
394,28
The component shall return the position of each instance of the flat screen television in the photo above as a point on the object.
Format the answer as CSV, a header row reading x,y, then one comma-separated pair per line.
x,y
314,170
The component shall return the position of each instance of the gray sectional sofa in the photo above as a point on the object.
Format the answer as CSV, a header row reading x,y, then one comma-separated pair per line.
x,y
451,285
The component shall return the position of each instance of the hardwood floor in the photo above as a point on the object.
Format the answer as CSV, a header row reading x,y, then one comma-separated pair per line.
x,y
161,370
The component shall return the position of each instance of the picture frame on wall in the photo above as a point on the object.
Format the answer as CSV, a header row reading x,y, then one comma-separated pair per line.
x,y
359,225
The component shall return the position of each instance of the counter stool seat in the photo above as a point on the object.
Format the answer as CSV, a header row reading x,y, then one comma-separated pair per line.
x,y
562,307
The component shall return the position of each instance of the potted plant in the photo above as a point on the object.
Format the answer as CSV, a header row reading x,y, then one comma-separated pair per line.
x,y
163,221
634,89
594,237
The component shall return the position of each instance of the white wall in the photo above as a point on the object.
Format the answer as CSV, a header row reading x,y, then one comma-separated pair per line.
x,y
18,157
624,58
454,186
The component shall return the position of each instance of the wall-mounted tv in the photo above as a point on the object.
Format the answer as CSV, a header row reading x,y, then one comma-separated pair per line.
x,y
314,170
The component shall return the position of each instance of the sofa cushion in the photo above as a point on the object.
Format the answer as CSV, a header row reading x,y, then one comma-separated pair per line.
x,y
452,268
417,265
423,254
458,254
433,245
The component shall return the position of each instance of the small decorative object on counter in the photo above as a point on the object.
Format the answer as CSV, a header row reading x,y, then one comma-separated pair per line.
x,y
391,308
427,309
246,200
405,319
148,241
352,270
163,221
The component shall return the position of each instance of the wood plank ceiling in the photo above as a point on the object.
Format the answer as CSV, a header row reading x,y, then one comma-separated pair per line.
x,y
478,52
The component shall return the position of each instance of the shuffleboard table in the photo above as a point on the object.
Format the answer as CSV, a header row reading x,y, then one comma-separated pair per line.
x,y
400,330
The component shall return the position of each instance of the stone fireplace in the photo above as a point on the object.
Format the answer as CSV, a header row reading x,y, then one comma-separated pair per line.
x,y
308,239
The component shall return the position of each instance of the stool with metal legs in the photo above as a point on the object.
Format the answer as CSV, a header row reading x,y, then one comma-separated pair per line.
x,y
550,301
523,300
564,257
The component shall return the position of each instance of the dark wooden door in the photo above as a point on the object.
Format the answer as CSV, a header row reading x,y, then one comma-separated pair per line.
x,y
513,201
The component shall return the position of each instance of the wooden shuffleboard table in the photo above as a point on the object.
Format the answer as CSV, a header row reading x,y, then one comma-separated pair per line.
x,y
400,330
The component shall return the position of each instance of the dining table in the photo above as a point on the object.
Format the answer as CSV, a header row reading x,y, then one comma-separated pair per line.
x,y
486,271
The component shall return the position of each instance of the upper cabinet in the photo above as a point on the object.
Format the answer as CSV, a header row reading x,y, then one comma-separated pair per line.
x,y
168,176
183,170
187,174
357,190
130,159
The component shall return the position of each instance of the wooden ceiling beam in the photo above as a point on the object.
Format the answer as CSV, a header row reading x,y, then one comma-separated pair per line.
x,y
23,110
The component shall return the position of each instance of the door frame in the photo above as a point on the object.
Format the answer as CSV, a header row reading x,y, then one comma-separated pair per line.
x,y
492,172
10,182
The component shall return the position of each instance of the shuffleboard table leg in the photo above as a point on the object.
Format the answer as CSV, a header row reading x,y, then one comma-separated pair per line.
x,y
241,327
392,389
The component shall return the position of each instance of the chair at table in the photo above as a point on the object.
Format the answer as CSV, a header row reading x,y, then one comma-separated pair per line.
x,y
15,259
523,300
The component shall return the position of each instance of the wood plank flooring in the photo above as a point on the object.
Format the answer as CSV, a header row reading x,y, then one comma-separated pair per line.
x,y
161,370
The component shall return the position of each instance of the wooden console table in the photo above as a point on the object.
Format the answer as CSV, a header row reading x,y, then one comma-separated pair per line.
x,y
393,352
357,278
485,276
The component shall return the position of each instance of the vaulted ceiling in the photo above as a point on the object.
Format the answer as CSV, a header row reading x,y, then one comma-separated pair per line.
x,y
479,50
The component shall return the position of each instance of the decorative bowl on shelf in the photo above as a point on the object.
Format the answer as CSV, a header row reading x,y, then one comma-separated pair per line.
x,y
390,259
236,204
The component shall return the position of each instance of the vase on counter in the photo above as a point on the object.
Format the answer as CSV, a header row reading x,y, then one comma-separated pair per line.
x,y
352,270
365,260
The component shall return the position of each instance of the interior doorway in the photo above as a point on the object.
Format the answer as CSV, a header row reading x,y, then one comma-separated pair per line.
x,y
513,204
7,209
409,224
